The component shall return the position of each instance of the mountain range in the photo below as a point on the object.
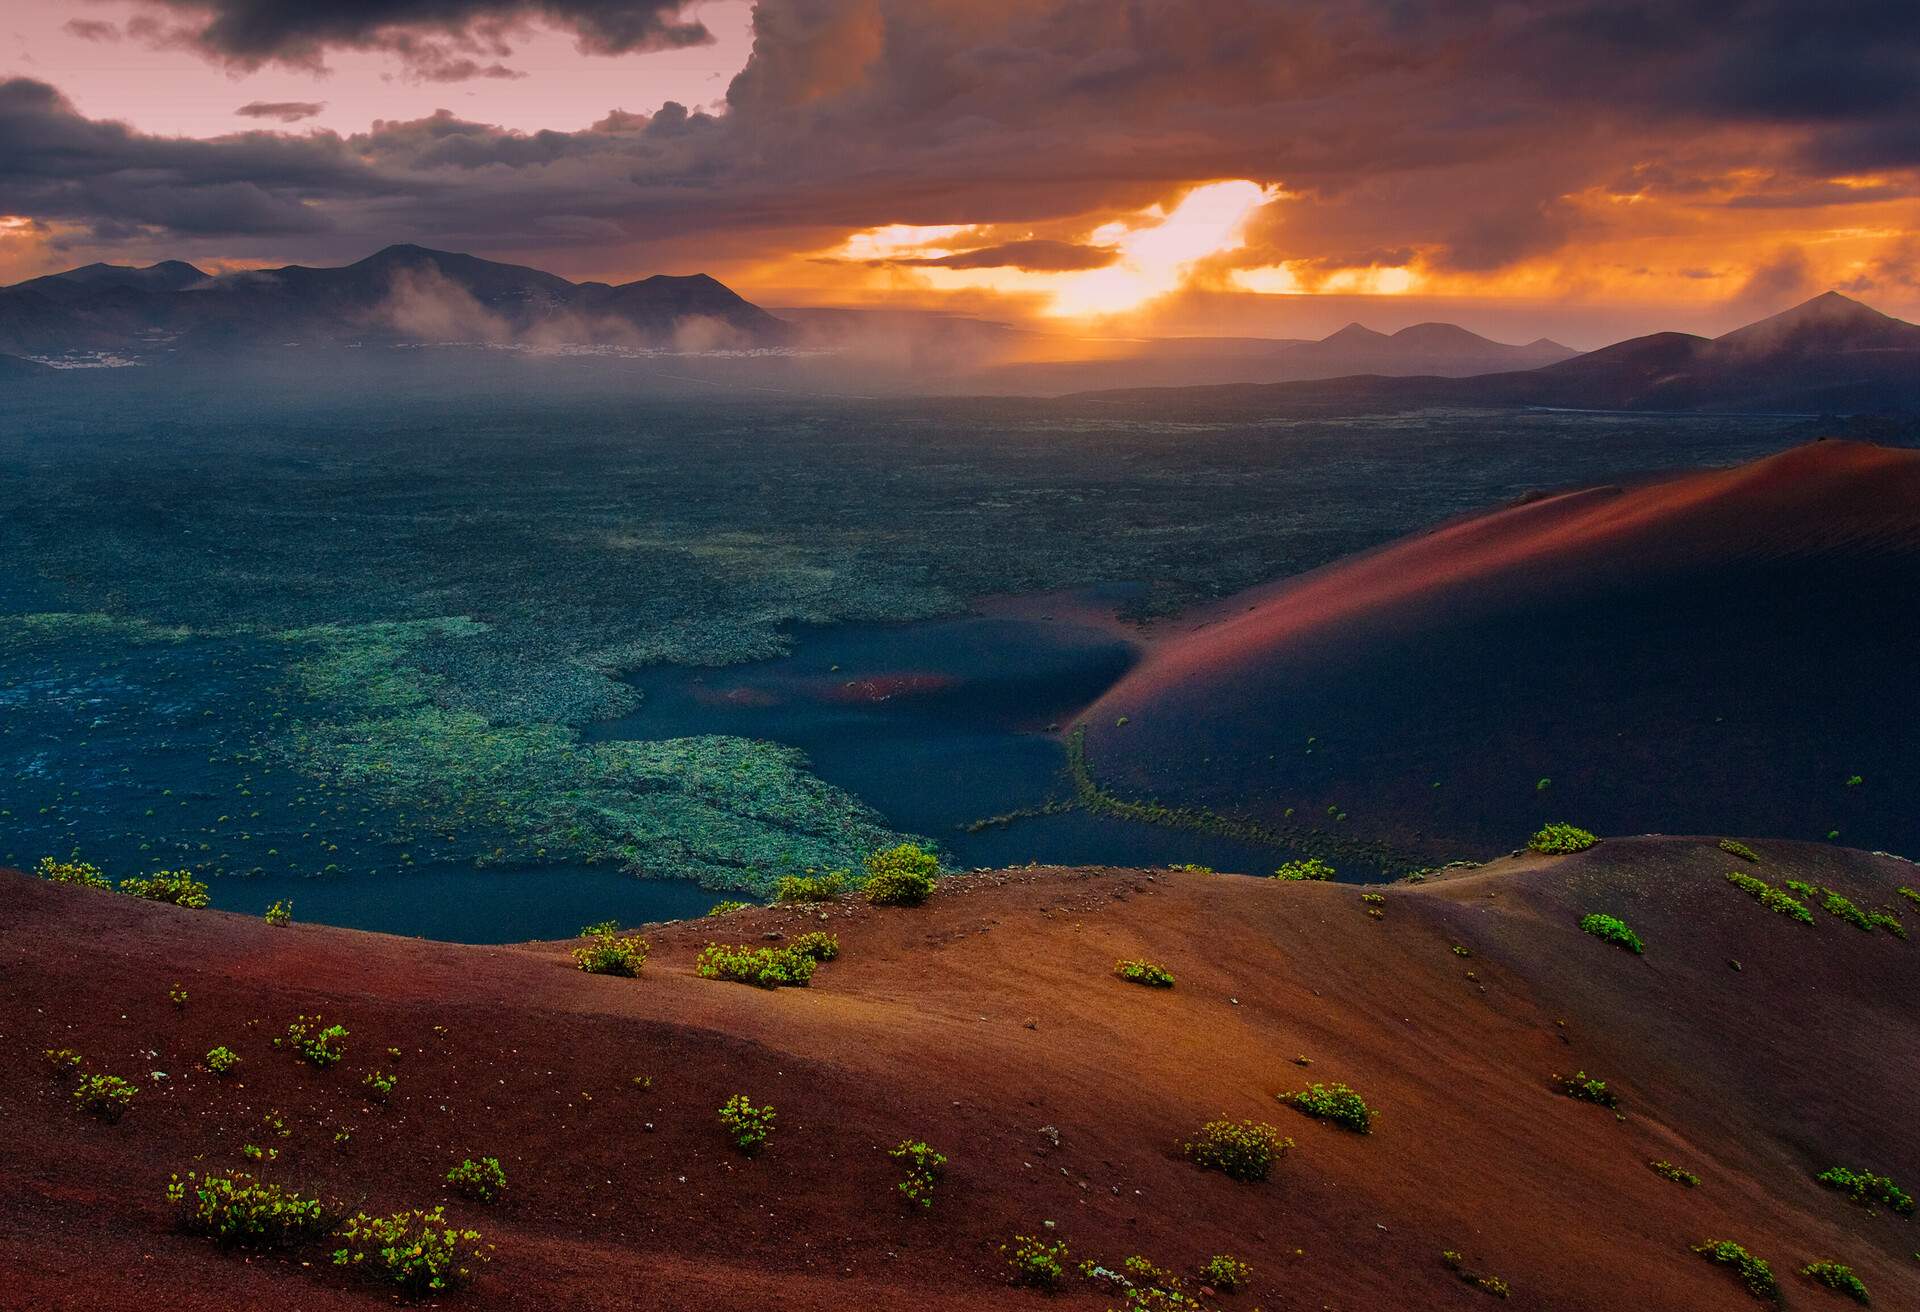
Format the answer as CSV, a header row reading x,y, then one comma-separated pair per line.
x,y
400,294
1831,354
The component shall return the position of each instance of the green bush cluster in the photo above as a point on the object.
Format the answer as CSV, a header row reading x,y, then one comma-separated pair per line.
x,y
1839,1278
1582,1086
71,872
901,876
818,944
1333,1102
1037,1263
1843,909
726,908
1143,1286
1679,1175
1754,1273
483,1181
1560,839
62,1061
222,1059
279,914
763,967
1244,1151
1866,1188
314,1043
104,1097
810,888
176,887
1226,1273
1141,971
1612,929
1771,898
379,1085
1309,868
1888,921
1741,850
924,1168
749,1125
1909,893
236,1210
607,952
416,1251
1457,1264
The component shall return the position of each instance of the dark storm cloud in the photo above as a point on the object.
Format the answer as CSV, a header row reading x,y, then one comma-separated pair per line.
x,y
284,111
249,33
1034,256
1460,129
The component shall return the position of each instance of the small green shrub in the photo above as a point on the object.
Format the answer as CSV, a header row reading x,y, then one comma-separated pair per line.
x,y
1140,971
1310,868
1741,850
379,1085
176,887
1771,898
1583,1087
1036,1263
61,1061
1812,892
750,1126
1560,839
1679,1175
1245,1151
1460,951
1837,1277
726,908
482,1181
1333,1102
104,1097
1611,929
607,952
279,914
1866,1188
924,1168
1888,921
765,967
1457,1264
238,1211
1847,911
1910,894
177,995
222,1059
810,888
901,876
1226,1273
1754,1273
71,872
314,1043
415,1251
818,945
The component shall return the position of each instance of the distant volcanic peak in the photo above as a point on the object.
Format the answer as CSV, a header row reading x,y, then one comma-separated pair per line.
x,y
1355,334
1821,497
1442,336
1828,322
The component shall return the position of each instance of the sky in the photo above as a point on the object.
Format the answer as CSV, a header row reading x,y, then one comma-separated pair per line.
x,y
1580,169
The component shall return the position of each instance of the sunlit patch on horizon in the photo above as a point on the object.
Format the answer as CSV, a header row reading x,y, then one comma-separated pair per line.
x,y
1285,279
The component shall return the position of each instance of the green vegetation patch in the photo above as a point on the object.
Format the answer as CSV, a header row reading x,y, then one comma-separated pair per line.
x,y
1490,1284
1773,899
924,1169
1333,1102
103,1097
484,1181
1140,971
1734,848
176,887
237,1211
1866,1188
1307,868
415,1251
762,967
1840,907
747,1125
1560,839
221,1060
811,888
1679,1175
608,952
314,1042
1611,929
71,872
900,876
1754,1273
1838,1278
1037,1263
1226,1273
1244,1150
1584,1088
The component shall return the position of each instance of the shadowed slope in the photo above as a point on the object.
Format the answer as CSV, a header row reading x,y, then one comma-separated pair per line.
x,y
1718,644
989,1023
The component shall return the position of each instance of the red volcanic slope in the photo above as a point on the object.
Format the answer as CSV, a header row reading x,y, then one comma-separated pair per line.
x,y
990,1023
1823,497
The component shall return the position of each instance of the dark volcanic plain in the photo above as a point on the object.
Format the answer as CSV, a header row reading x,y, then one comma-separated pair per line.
x,y
1744,1046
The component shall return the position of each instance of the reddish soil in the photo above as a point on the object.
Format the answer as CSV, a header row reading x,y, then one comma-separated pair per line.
x,y
974,1022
